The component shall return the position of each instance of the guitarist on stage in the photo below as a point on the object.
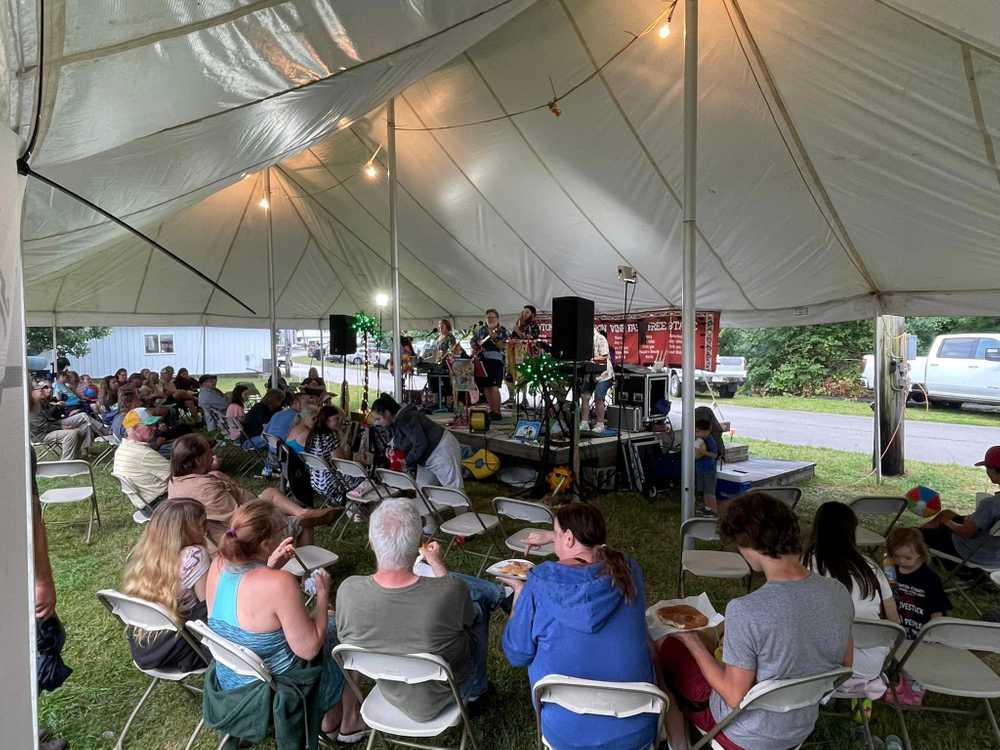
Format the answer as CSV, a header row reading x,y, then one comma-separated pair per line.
x,y
490,340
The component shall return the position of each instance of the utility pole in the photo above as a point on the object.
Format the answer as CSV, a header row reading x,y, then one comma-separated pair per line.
x,y
892,382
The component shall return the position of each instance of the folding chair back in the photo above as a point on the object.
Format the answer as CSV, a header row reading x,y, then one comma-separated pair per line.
x,y
879,505
971,635
522,510
350,468
869,633
239,659
397,480
704,529
620,700
131,492
59,469
410,669
447,497
314,462
782,696
790,496
136,612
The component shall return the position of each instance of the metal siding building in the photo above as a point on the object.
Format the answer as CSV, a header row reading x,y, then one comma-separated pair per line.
x,y
225,350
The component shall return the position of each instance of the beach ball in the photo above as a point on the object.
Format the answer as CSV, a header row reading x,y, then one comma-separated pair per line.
x,y
923,501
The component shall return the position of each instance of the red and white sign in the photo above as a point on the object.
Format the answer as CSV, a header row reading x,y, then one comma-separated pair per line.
x,y
654,335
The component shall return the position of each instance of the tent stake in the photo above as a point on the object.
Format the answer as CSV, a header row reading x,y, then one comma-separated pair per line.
x,y
688,301
397,377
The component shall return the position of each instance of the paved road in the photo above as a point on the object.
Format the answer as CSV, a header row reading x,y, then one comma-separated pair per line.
x,y
924,441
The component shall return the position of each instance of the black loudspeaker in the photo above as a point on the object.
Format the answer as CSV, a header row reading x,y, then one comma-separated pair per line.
x,y
572,328
343,339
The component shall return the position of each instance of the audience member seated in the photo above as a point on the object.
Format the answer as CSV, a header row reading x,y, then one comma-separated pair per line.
x,y
107,396
152,391
258,417
194,473
583,616
969,536
138,461
174,395
832,552
212,402
301,429
169,567
255,604
396,611
236,411
48,424
796,624
63,389
920,594
128,399
184,381
315,386
121,376
282,421
324,441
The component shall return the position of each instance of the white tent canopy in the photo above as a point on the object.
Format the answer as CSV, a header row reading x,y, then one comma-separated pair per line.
x,y
846,155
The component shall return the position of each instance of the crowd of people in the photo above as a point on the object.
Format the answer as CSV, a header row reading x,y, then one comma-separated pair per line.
x,y
213,550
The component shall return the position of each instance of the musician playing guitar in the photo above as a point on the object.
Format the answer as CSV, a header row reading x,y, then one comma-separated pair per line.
x,y
446,347
526,329
490,339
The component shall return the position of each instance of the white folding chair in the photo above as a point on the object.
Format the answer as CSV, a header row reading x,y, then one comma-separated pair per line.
x,y
398,480
466,523
780,696
45,449
870,634
943,661
410,669
703,563
948,573
276,457
143,510
308,558
620,700
152,618
790,496
876,505
525,511
106,446
76,494
354,470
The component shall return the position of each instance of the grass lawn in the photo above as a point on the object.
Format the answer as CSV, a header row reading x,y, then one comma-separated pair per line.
x,y
860,409
90,709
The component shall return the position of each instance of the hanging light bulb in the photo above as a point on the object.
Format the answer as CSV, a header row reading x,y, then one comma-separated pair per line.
x,y
371,170
664,30
263,203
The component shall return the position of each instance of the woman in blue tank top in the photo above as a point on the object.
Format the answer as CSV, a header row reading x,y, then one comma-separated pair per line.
x,y
255,604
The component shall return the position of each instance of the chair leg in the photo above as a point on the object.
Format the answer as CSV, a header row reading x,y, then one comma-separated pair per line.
x,y
680,584
993,720
371,740
197,729
902,721
222,742
869,742
121,739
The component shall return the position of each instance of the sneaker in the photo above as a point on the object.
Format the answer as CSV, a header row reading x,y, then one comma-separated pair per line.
x,y
599,427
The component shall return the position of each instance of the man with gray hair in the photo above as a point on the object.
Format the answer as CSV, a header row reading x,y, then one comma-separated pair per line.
x,y
396,611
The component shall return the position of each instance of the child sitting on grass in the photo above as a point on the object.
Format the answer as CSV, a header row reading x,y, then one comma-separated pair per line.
x,y
920,595
706,451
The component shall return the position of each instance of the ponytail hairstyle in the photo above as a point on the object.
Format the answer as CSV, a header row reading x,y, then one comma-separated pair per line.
x,y
832,550
588,527
251,527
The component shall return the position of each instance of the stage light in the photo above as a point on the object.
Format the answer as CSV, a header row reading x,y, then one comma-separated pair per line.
x,y
264,204
371,170
381,299
665,30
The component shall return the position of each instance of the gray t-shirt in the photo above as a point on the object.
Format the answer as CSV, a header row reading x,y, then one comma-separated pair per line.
x,y
431,616
983,549
782,630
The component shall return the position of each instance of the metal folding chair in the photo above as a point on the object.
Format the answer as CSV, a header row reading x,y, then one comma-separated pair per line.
x,y
152,618
106,446
943,661
398,480
948,574
620,700
411,669
466,523
277,459
790,496
76,494
143,511
876,505
780,696
43,450
524,511
709,563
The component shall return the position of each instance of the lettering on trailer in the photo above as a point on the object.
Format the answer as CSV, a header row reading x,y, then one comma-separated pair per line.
x,y
654,335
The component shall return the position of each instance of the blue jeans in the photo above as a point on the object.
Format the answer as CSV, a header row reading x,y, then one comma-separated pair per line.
x,y
486,596
257,441
601,389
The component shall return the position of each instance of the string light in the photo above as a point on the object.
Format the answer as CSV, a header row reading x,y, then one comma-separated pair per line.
x,y
665,30
381,299
371,170
264,204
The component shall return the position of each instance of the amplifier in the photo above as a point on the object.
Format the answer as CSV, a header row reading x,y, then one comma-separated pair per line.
x,y
631,419
647,391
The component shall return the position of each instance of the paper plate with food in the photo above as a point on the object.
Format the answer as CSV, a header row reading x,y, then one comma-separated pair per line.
x,y
675,615
511,569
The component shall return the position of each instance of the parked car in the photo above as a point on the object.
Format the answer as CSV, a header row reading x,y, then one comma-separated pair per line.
x,y
377,358
730,373
959,368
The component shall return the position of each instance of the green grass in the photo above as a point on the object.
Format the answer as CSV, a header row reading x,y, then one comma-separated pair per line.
x,y
90,709
861,409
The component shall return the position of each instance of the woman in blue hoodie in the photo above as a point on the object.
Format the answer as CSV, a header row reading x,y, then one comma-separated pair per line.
x,y
583,616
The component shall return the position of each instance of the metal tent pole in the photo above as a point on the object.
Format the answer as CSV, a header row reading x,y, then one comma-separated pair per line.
x,y
270,280
55,356
204,349
397,377
688,306
877,374
322,353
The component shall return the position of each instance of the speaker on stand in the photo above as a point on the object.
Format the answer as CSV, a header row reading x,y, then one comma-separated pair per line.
x,y
573,341
343,341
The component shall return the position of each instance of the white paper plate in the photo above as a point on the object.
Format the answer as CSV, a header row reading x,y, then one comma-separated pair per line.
x,y
495,568
657,628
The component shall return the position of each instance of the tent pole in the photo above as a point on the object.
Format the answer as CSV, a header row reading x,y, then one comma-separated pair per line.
x,y
322,354
688,284
204,349
397,377
270,280
55,355
877,372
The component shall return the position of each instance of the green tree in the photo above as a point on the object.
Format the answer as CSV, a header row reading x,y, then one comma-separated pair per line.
x,y
73,341
925,329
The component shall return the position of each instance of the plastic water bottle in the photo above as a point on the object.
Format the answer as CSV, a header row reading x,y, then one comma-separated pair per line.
x,y
892,742
889,568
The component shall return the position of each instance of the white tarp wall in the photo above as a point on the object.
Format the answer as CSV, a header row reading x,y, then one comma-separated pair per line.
x,y
846,152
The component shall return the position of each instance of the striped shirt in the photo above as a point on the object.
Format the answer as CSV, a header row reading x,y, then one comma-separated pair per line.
x,y
144,467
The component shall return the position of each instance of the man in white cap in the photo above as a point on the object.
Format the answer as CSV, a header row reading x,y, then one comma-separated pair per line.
x,y
137,461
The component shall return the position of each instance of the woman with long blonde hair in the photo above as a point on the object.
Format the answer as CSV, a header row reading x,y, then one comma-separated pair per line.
x,y
169,567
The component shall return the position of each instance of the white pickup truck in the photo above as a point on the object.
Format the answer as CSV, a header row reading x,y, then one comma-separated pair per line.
x,y
959,368
730,373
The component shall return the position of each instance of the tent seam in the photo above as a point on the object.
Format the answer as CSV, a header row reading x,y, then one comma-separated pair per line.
x,y
977,108
232,244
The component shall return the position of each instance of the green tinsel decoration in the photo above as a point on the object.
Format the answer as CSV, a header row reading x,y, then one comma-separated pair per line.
x,y
542,370
365,323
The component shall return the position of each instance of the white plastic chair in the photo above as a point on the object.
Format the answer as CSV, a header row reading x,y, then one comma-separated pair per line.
x,y
525,512
308,558
876,505
152,618
143,510
703,563
942,661
467,522
949,573
76,494
790,496
106,446
354,470
410,669
620,700
398,480
780,696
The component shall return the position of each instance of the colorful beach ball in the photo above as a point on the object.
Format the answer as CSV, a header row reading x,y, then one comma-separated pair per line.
x,y
924,501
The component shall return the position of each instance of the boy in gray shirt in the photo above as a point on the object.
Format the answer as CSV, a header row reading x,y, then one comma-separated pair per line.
x,y
797,624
